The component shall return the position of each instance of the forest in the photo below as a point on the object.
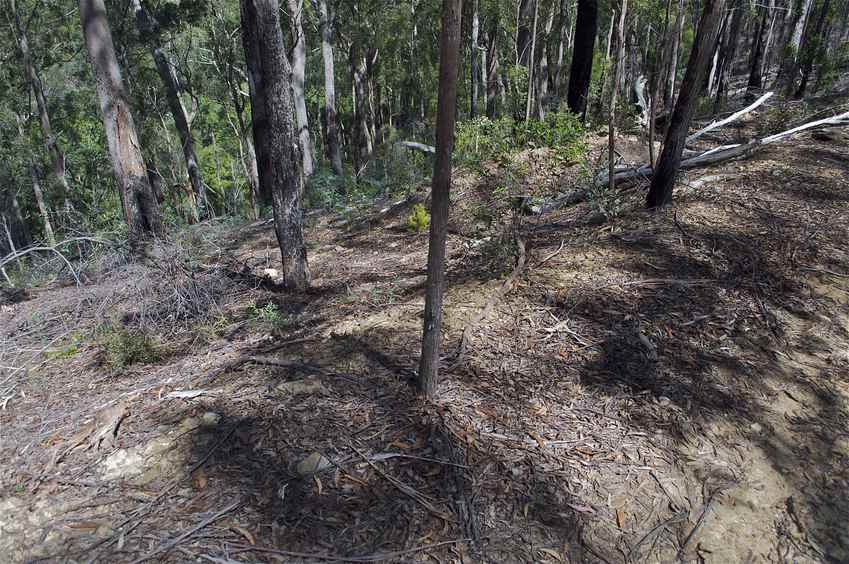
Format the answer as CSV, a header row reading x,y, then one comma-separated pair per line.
x,y
418,280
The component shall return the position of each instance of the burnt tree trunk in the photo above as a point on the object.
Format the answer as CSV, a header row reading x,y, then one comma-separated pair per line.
x,y
580,74
813,42
141,210
728,53
660,193
148,28
755,83
669,92
446,115
274,133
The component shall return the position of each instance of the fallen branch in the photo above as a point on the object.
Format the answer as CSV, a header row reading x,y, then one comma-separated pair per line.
x,y
733,117
502,291
15,255
189,532
419,147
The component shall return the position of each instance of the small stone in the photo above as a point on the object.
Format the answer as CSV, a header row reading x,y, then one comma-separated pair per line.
x,y
312,464
756,427
210,419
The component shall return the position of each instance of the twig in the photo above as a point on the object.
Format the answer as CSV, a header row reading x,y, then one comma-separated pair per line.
x,y
696,527
189,532
404,488
390,556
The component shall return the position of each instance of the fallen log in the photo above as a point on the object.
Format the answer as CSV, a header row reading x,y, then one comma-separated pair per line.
x,y
412,145
733,117
706,158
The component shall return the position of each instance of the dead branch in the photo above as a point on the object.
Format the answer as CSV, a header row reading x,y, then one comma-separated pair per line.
x,y
15,255
412,145
502,291
733,117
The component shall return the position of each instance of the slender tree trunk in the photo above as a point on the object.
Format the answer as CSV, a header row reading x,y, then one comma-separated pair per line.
x,y
492,80
524,35
663,180
299,64
669,93
656,84
728,53
756,61
334,151
580,74
562,45
51,143
813,42
448,62
531,60
274,133
141,210
363,147
150,32
42,205
475,71
611,140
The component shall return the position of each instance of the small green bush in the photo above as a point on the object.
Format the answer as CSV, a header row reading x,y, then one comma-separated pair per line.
x,y
484,139
125,347
419,218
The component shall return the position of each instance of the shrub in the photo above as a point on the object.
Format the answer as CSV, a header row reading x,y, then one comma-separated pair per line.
x,y
419,218
125,347
483,139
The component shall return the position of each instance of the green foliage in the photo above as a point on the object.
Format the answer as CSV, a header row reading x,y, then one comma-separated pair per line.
x,y
269,313
482,139
419,219
65,352
125,347
780,117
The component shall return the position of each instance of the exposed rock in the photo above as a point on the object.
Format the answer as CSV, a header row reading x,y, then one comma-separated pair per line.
x,y
312,464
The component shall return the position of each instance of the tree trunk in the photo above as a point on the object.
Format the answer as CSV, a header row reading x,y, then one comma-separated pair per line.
x,y
473,67
42,205
492,80
524,35
334,153
728,53
51,143
274,133
562,45
611,140
448,62
660,193
362,143
580,74
813,42
148,28
669,93
756,61
531,61
141,210
299,63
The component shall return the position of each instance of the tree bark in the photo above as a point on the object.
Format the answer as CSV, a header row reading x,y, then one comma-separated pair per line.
x,y
149,29
755,83
51,143
669,92
141,210
531,61
492,80
448,62
473,58
334,152
728,53
580,74
611,140
813,42
660,193
299,63
274,133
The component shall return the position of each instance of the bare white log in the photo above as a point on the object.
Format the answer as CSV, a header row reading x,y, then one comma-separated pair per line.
x,y
419,147
733,117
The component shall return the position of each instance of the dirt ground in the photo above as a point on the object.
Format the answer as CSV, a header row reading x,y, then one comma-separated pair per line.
x,y
652,387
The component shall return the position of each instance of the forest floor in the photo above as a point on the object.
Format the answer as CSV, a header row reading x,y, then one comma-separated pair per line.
x,y
650,387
